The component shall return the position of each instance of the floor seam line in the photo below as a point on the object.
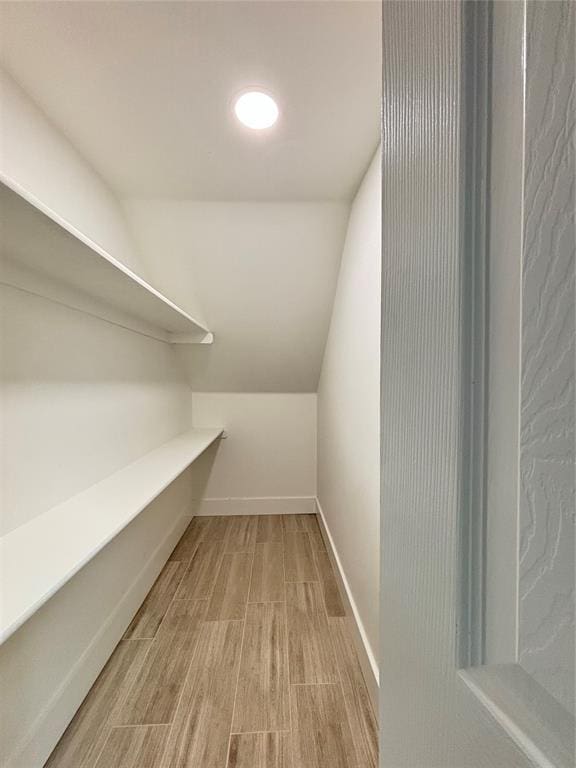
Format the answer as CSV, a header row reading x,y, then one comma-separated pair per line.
x,y
239,661
181,694
142,725
251,733
287,651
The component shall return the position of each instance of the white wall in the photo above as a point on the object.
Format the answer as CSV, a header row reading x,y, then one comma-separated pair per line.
x,y
265,274
268,461
349,409
79,398
42,161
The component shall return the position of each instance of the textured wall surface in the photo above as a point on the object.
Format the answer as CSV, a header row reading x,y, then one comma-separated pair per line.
x,y
429,719
547,455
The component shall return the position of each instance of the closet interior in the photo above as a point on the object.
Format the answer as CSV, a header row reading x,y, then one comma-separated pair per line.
x,y
190,378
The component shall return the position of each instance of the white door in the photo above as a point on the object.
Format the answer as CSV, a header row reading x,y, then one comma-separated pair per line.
x,y
477,571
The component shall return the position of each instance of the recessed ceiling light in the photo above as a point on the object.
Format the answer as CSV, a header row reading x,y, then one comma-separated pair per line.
x,y
256,110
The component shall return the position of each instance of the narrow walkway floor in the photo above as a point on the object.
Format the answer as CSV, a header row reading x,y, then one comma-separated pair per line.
x,y
240,657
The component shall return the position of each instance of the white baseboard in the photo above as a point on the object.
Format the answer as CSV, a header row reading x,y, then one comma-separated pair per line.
x,y
257,505
365,654
54,719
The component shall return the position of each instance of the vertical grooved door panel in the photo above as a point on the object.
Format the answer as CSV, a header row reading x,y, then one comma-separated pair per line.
x,y
428,718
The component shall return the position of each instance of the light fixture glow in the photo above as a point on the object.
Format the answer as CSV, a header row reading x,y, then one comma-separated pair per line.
x,y
256,110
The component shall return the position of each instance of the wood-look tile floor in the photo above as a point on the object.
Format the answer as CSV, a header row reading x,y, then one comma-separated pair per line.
x,y
240,657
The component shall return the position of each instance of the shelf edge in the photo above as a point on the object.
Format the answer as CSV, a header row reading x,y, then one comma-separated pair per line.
x,y
35,202
9,629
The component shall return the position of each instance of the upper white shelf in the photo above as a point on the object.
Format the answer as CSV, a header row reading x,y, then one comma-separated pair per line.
x,y
38,558
37,238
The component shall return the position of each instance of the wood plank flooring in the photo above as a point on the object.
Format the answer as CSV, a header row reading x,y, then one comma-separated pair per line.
x,y
240,657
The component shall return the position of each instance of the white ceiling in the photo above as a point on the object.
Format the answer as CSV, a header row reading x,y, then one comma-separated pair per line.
x,y
144,90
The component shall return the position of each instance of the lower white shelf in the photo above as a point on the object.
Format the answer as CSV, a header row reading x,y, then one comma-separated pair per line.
x,y
38,558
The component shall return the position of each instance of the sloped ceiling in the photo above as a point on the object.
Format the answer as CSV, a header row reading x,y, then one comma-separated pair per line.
x,y
249,226
265,274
